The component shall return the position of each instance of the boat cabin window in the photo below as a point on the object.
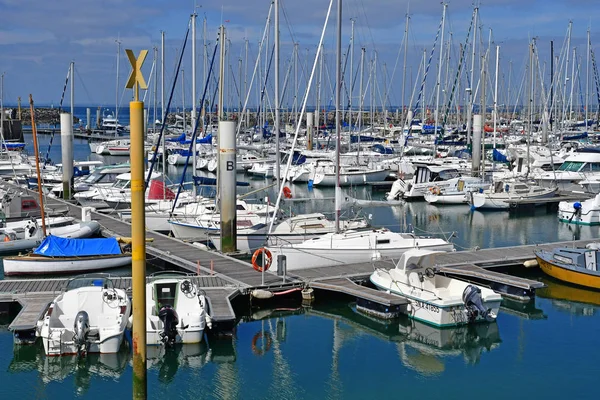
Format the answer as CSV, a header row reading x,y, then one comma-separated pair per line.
x,y
240,207
445,175
312,226
166,293
571,166
122,184
27,205
383,241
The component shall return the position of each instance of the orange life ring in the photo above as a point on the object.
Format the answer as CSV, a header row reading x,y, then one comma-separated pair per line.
x,y
434,190
7,238
268,257
287,192
261,351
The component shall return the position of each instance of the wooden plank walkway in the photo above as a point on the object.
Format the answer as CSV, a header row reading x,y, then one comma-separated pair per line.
x,y
33,307
347,286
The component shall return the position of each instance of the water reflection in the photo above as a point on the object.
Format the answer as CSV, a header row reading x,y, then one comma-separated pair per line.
x,y
569,298
57,369
169,360
421,347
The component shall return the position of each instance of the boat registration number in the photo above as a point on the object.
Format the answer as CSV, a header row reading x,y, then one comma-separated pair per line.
x,y
428,306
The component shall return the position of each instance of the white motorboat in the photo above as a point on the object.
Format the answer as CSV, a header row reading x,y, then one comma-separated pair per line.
x,y
176,309
581,165
353,246
586,212
502,195
89,317
433,298
454,194
57,255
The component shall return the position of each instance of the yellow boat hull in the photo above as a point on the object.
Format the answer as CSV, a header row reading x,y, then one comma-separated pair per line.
x,y
567,275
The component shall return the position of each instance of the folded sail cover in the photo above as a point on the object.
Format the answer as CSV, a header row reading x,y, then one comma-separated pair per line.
x,y
54,246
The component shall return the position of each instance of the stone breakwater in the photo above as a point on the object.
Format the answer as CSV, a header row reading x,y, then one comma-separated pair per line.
x,y
43,116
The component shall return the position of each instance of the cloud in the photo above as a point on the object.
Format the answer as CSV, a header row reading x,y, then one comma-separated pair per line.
x,y
38,39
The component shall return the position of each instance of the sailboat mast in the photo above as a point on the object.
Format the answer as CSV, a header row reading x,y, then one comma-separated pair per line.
x,y
495,117
163,117
351,74
116,91
37,159
587,80
404,67
276,127
439,79
470,88
338,83
73,89
194,116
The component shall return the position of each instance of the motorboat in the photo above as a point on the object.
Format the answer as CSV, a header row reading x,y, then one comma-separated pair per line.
x,y
432,297
579,266
586,212
176,309
90,316
580,165
352,246
502,195
454,194
56,255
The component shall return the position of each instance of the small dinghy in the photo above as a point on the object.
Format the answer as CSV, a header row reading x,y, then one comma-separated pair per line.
x,y
433,298
90,316
56,255
176,309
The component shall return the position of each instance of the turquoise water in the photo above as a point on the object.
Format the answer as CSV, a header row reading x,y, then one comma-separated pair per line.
x,y
544,349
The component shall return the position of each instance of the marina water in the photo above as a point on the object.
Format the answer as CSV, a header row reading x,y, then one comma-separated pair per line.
x,y
543,349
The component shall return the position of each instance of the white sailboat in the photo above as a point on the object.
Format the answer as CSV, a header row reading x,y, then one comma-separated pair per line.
x,y
353,246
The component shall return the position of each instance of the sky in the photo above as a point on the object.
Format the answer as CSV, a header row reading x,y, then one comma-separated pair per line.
x,y
39,39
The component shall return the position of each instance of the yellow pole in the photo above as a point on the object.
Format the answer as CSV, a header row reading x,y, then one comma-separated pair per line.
x,y
138,256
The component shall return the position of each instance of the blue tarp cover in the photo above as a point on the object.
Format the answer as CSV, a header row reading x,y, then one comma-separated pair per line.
x,y
54,246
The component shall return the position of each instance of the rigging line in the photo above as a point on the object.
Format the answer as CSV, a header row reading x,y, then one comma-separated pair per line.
x,y
458,74
192,146
84,87
62,98
428,65
306,94
162,127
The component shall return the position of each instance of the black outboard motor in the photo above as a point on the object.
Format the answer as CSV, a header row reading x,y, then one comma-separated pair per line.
x,y
170,319
81,327
474,304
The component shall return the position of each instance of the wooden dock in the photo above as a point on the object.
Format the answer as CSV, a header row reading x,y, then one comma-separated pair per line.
x,y
224,277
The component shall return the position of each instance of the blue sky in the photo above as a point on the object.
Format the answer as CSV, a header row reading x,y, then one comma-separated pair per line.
x,y
38,39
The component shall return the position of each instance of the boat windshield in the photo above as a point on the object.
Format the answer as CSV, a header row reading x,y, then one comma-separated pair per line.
x,y
90,280
571,166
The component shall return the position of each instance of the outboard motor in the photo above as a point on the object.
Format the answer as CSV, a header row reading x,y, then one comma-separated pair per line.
x,y
32,229
81,327
474,304
170,319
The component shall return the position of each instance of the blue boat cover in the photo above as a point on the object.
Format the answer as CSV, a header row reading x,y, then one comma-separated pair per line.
x,y
54,246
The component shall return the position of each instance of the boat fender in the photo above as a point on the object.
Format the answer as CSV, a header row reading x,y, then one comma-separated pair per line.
x,y
6,238
267,346
268,259
261,294
530,263
287,192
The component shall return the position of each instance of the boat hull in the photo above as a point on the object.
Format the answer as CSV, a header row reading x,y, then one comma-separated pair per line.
x,y
309,257
569,275
39,265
